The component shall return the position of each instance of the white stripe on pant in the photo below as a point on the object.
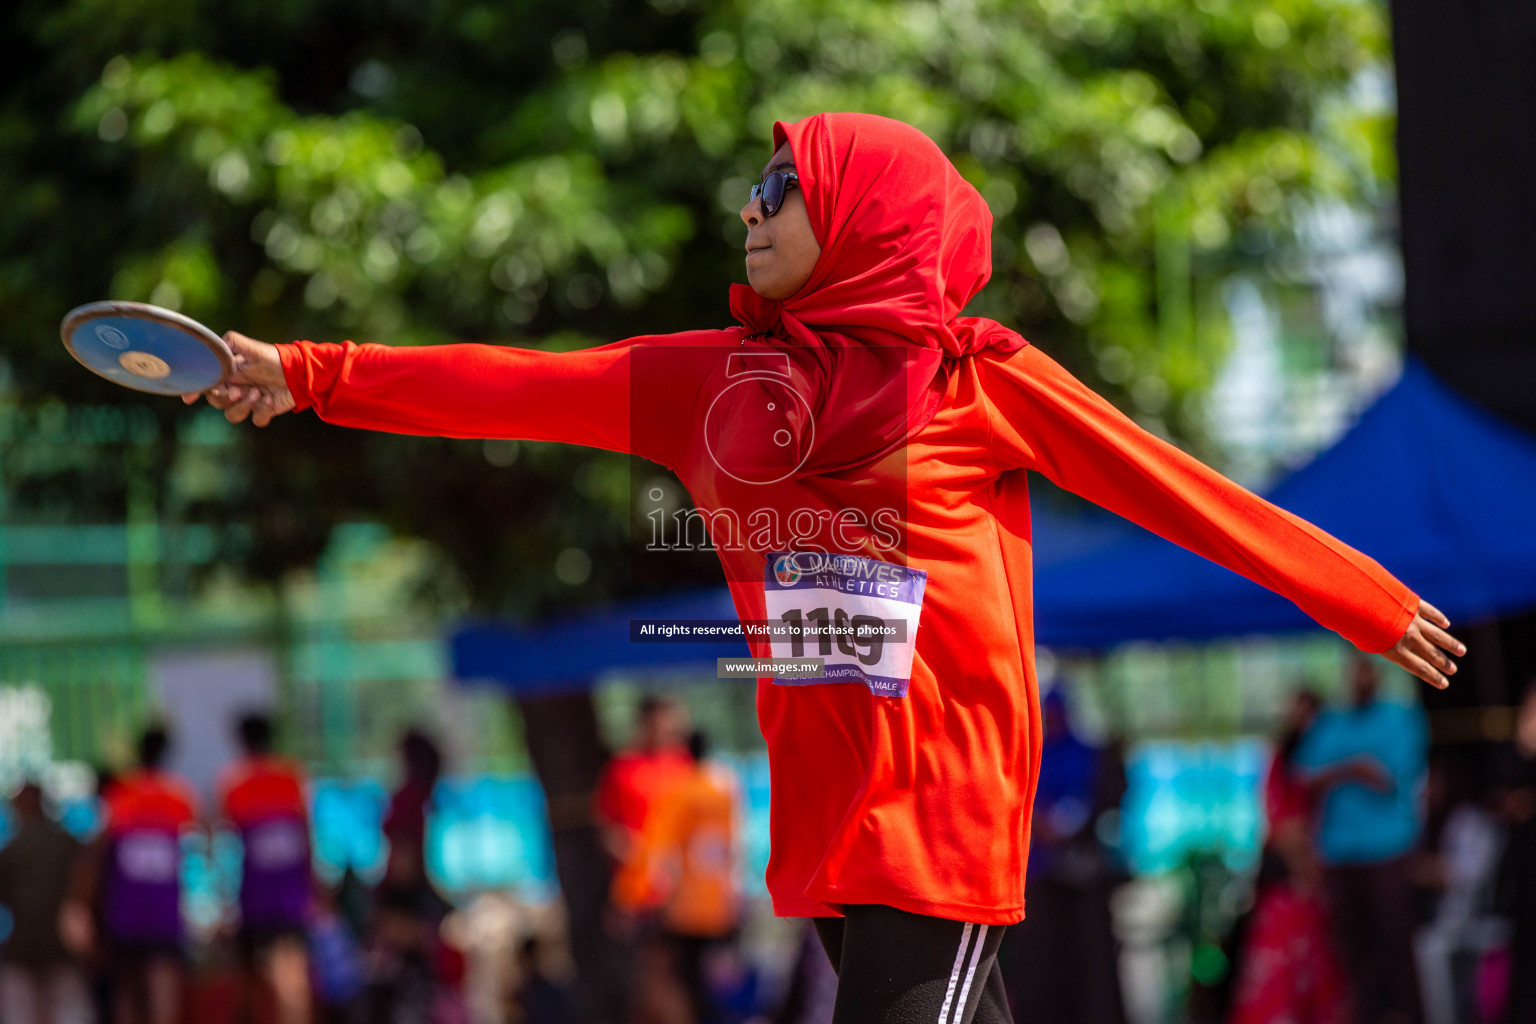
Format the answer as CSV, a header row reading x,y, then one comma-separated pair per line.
x,y
970,972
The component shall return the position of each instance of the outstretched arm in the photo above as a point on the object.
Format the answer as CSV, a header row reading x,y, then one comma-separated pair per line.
x,y
1043,418
465,390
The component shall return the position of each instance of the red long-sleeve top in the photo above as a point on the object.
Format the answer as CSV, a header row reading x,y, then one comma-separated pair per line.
x,y
922,801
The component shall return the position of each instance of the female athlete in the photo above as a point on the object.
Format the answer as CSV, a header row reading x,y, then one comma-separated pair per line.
x,y
858,449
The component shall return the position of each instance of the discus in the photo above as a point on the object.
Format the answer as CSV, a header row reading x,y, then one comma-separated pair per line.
x,y
146,348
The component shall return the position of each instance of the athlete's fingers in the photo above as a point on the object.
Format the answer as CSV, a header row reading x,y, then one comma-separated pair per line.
x,y
265,410
193,397
240,409
1421,645
1441,638
1419,667
1434,614
1413,642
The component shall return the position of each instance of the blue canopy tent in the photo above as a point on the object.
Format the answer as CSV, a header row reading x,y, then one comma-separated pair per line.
x,y
1435,489
1438,491
569,653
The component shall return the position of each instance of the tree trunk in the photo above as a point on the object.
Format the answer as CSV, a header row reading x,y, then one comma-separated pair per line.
x,y
568,756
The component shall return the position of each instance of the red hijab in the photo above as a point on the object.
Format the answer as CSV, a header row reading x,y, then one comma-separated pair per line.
x,y
905,244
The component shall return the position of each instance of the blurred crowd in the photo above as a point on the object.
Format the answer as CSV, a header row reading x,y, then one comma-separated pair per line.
x,y
96,929
1395,887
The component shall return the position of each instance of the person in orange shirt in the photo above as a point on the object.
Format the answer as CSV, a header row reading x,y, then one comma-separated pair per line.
x,y
632,784
262,796
691,845
861,448
147,812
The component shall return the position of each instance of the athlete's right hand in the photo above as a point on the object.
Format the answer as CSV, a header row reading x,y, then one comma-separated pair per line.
x,y
256,389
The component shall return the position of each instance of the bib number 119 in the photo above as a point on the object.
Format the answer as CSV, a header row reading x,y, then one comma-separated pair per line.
x,y
858,636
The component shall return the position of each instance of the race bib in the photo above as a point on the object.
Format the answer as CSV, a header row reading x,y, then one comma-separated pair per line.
x,y
859,615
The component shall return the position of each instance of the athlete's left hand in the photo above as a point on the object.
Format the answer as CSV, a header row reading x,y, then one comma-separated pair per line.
x,y
1425,647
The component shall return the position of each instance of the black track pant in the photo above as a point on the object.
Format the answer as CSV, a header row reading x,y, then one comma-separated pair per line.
x,y
899,968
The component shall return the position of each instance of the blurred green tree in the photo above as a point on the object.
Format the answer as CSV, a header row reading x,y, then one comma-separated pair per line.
x,y
565,174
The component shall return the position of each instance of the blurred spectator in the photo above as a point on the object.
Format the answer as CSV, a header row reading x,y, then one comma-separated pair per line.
x,y
656,993
147,810
1289,804
630,786
40,982
538,999
1461,868
1517,879
690,841
1366,765
811,991
352,898
413,974
337,960
1061,964
405,821
735,985
262,796
81,922
1289,971
402,976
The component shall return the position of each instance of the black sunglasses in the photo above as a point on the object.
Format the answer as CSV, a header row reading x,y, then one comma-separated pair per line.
x,y
773,190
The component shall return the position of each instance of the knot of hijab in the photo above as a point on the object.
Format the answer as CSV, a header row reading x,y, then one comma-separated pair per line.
x,y
906,242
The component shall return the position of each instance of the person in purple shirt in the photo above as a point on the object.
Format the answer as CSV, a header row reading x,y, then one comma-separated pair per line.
x,y
147,811
262,796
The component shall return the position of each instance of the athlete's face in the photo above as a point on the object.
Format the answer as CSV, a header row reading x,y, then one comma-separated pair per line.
x,y
781,250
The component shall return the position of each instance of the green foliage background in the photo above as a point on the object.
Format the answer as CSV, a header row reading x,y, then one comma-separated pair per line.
x,y
539,173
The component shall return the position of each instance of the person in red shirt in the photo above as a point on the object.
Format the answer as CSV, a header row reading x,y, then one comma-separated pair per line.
x,y
1290,969
147,812
263,797
860,452
632,784
1290,804
406,881
411,964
